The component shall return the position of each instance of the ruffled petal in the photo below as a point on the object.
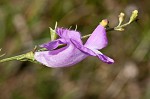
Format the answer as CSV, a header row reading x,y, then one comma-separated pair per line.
x,y
63,57
61,31
53,44
69,34
98,39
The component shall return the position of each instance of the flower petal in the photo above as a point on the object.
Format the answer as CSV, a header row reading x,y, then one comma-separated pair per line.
x,y
103,57
98,39
61,31
82,48
63,57
53,44
93,52
69,34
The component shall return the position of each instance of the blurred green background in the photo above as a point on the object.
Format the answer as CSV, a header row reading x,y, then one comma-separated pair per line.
x,y
25,23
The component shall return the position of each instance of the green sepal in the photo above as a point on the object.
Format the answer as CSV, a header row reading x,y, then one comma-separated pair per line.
x,y
53,34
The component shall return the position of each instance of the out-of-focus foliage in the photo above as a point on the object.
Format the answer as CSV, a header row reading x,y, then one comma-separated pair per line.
x,y
25,23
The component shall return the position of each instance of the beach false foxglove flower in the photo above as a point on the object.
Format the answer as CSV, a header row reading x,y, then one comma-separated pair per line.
x,y
74,51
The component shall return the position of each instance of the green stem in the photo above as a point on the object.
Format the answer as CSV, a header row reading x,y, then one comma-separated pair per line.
x,y
28,57
19,57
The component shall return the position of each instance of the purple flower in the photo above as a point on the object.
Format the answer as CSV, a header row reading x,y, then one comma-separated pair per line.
x,y
74,51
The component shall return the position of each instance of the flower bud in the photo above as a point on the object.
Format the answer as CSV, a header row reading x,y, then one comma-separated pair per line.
x,y
133,16
104,23
121,18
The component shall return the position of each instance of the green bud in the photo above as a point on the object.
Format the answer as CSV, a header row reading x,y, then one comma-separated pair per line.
x,y
133,16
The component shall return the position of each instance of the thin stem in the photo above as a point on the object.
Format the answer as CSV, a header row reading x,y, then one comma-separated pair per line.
x,y
86,36
122,26
19,57
27,56
110,29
